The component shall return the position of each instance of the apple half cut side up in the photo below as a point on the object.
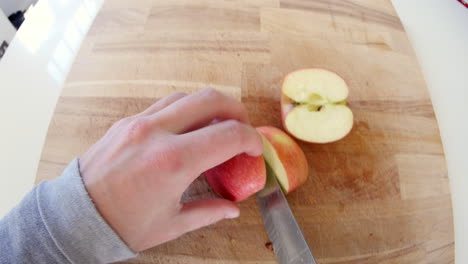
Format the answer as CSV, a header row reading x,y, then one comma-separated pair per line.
x,y
313,106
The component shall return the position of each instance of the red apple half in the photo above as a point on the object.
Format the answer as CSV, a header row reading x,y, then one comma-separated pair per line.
x,y
313,106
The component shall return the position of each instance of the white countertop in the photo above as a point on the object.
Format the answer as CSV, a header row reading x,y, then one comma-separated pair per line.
x,y
438,31
39,58
32,73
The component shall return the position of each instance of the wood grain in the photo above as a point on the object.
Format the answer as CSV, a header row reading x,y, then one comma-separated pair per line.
x,y
381,195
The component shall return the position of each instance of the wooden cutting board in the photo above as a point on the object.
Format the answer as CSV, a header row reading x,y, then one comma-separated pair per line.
x,y
380,195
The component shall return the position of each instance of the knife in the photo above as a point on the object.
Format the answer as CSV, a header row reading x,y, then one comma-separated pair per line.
x,y
289,244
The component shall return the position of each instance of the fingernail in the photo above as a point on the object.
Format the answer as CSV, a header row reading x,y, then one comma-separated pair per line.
x,y
232,214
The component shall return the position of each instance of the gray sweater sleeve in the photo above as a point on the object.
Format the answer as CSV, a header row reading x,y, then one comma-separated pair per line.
x,y
58,223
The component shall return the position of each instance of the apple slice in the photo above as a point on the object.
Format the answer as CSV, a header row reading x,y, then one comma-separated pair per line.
x,y
313,106
238,178
285,157
243,175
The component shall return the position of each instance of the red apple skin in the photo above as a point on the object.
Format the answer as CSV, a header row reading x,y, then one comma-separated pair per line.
x,y
290,154
238,178
287,106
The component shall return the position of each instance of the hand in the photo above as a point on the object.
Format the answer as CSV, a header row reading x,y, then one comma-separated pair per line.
x,y
137,172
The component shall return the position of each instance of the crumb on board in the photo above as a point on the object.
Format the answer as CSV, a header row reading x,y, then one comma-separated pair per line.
x,y
269,245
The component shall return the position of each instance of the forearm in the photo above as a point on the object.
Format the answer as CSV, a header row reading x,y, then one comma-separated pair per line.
x,y
58,223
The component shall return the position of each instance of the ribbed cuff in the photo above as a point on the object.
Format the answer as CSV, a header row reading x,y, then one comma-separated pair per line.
x,y
74,223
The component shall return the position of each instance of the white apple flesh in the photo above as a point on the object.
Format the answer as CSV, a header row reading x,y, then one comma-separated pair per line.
x,y
314,107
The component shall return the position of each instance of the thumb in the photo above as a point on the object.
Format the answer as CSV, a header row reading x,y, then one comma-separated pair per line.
x,y
195,215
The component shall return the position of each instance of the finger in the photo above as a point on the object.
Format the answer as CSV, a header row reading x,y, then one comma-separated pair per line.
x,y
163,103
195,215
199,109
212,145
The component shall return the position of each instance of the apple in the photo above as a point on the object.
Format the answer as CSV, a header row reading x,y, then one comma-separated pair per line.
x,y
244,175
313,106
285,158
238,178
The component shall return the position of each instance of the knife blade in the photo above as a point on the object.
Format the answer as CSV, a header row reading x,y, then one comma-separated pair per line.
x,y
289,244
